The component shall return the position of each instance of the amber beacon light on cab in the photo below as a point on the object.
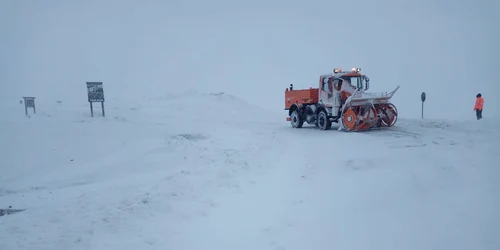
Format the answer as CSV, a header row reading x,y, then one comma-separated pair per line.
x,y
341,98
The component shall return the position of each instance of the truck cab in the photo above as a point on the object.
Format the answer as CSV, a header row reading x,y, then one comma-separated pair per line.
x,y
334,89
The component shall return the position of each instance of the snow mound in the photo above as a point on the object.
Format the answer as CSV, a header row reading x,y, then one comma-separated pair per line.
x,y
209,107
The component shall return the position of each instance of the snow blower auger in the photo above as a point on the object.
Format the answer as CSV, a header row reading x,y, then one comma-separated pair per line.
x,y
341,98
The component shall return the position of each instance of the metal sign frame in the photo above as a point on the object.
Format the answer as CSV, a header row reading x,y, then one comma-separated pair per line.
x,y
29,102
95,93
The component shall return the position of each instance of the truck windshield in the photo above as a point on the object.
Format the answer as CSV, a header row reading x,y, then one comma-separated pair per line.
x,y
355,81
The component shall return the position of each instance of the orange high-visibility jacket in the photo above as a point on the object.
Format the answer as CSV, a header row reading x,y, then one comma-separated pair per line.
x,y
479,103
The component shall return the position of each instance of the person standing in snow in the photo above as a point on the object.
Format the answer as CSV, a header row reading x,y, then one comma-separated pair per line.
x,y
478,107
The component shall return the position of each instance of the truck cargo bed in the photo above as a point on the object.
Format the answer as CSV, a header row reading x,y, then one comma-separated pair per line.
x,y
301,96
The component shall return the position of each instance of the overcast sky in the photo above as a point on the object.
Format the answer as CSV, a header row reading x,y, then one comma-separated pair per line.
x,y
253,49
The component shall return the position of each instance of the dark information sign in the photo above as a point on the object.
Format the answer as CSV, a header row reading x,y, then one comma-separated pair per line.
x,y
29,102
95,92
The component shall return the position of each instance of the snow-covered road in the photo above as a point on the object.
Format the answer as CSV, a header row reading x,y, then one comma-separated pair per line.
x,y
233,176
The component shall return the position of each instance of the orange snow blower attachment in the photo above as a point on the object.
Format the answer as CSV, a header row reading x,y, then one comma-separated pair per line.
x,y
341,98
362,112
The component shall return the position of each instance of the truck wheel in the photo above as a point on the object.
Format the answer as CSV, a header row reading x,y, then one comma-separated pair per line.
x,y
296,121
323,122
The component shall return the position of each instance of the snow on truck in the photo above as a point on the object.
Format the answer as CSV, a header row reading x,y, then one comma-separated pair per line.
x,y
341,98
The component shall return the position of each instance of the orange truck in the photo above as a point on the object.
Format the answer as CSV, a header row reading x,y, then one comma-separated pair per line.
x,y
341,98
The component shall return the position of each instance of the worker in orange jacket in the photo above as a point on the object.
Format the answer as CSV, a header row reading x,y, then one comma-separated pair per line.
x,y
478,107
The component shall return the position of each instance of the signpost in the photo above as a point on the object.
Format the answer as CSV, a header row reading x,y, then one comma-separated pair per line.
x,y
95,94
29,102
422,97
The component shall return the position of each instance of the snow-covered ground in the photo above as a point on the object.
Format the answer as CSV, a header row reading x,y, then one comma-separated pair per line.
x,y
209,171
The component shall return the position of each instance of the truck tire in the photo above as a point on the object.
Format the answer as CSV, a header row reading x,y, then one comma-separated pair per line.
x,y
323,122
296,121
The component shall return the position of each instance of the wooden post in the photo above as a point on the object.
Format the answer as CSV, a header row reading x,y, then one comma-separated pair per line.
x,y
91,109
102,106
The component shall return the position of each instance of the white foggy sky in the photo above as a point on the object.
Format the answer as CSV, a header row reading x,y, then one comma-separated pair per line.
x,y
252,49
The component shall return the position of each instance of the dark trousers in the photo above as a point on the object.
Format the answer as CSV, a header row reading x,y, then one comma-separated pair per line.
x,y
479,114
